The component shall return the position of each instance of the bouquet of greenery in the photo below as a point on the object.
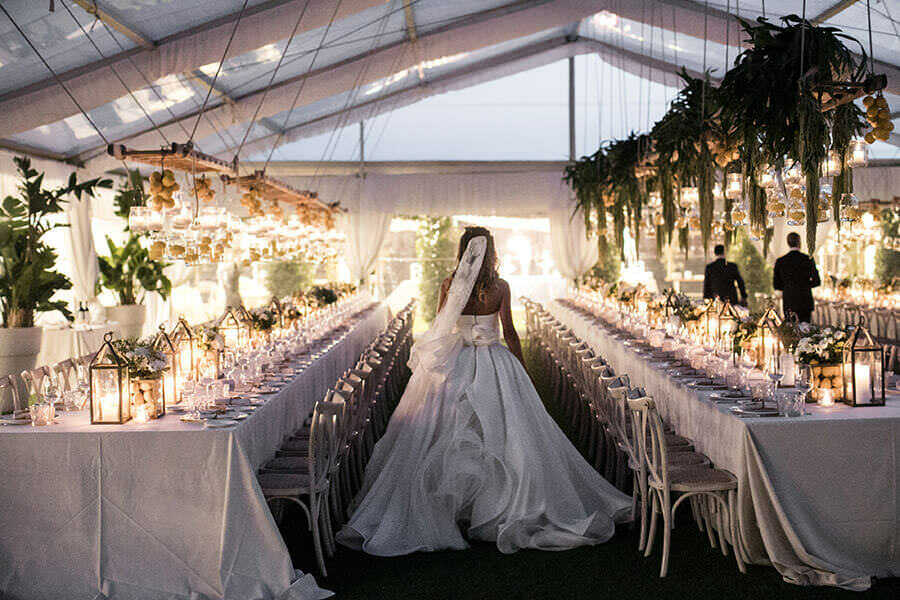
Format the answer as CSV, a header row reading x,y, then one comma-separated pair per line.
x,y
208,338
745,330
263,319
820,346
323,295
684,308
144,361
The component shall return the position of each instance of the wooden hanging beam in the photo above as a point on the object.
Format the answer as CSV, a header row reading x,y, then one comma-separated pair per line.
x,y
836,93
273,189
178,157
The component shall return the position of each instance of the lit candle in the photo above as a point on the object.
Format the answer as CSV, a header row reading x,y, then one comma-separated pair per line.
x,y
109,405
788,368
826,399
862,379
142,413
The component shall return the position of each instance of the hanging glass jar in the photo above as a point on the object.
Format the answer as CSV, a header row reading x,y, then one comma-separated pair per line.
x,y
831,166
858,154
794,174
655,199
850,211
823,207
733,185
796,213
659,219
690,196
766,178
740,214
694,219
717,191
775,205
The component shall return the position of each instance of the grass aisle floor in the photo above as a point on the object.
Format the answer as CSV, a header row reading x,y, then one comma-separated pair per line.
x,y
612,570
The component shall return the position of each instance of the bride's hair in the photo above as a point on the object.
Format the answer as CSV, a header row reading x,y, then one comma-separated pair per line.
x,y
488,274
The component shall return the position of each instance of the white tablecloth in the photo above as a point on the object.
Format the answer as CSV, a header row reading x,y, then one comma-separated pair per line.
x,y
160,510
818,495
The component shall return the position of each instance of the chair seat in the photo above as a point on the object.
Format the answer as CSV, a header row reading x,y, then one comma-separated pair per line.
x,y
699,479
679,460
284,484
288,464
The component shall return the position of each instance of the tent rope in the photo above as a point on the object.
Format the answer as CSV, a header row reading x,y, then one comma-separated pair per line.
x,y
212,85
271,80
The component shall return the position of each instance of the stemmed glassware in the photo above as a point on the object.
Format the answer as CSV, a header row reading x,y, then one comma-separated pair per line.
x,y
775,373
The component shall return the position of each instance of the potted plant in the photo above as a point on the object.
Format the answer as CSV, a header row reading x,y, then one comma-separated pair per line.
x,y
822,350
28,280
129,270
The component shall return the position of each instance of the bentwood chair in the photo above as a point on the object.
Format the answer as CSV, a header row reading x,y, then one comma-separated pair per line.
x,y
310,489
663,483
10,398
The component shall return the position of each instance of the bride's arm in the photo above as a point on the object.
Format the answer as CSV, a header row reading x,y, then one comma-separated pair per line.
x,y
509,329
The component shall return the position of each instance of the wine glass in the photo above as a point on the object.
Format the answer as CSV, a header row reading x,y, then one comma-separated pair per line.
x,y
775,373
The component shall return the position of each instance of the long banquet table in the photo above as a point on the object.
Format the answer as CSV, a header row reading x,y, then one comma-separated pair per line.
x,y
818,495
165,509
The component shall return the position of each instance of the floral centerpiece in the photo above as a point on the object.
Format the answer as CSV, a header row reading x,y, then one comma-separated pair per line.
x,y
146,365
823,349
743,334
210,345
262,322
684,308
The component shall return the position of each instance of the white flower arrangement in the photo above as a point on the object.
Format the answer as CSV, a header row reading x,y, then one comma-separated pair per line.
x,y
821,346
144,360
209,338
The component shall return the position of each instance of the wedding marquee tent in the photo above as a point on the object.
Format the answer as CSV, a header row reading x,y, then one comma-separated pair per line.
x,y
388,107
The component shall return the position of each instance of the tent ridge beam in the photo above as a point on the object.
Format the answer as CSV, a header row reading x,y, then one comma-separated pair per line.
x,y
832,11
653,63
98,10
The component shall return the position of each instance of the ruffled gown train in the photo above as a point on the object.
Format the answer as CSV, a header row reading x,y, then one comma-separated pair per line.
x,y
476,451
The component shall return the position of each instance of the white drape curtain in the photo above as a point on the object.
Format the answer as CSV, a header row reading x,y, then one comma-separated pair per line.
x,y
84,256
365,231
573,252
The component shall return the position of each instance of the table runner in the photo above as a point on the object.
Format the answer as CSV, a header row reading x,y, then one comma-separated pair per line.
x,y
818,495
165,509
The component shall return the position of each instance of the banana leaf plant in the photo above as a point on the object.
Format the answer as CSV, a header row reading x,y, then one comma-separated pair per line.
x,y
128,270
28,279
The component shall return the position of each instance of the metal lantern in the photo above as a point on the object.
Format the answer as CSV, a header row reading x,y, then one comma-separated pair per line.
x,y
729,319
184,340
234,328
709,318
863,368
278,307
164,344
110,386
768,338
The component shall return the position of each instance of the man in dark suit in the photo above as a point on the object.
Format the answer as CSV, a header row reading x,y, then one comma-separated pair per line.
x,y
796,275
721,277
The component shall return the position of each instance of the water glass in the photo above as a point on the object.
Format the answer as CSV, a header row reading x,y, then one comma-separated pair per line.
x,y
794,406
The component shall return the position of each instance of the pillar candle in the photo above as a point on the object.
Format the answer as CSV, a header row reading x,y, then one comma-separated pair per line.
x,y
863,384
789,369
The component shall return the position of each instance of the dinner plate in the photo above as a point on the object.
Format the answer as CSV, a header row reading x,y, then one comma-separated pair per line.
x,y
726,398
708,386
754,412
220,423
15,421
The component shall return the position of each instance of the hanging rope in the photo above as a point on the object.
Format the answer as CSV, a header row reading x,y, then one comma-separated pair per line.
x,y
871,48
53,73
271,80
728,33
116,73
218,70
302,85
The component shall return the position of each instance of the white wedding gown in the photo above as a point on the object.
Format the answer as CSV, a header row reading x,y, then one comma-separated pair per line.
x,y
476,450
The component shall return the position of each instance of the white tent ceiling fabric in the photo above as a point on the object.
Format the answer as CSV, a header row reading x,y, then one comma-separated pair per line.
x,y
488,194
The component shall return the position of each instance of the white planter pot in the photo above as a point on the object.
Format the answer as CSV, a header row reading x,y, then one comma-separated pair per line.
x,y
129,319
19,348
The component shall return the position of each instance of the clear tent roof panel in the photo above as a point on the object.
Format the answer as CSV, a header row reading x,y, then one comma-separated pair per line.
x,y
157,19
885,28
58,37
402,79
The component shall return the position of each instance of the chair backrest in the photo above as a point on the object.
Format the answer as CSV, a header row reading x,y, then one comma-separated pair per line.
x,y
64,372
34,379
650,439
10,398
324,437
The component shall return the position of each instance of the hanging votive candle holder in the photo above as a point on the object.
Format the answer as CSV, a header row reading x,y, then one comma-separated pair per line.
x,y
766,178
796,213
831,166
858,154
850,210
739,214
733,186
690,196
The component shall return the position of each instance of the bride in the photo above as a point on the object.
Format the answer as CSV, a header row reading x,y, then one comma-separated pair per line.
x,y
470,448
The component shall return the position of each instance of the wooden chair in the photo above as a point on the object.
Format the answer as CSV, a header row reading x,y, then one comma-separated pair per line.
x,y
10,396
714,485
65,370
310,489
